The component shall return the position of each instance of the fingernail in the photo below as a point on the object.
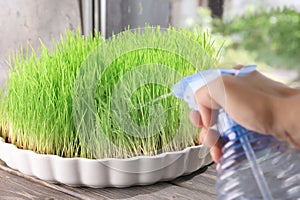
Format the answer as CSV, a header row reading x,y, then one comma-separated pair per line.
x,y
218,166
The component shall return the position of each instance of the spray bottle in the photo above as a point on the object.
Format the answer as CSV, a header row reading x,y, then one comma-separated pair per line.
x,y
252,165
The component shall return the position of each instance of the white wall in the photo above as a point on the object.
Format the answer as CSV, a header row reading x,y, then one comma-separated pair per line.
x,y
29,20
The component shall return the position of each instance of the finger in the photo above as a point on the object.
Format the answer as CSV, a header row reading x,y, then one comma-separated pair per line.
x,y
206,95
195,118
238,66
205,105
214,115
216,153
218,166
206,115
209,137
213,95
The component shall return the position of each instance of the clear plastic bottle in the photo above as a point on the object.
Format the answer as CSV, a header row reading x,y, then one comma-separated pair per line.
x,y
255,166
252,166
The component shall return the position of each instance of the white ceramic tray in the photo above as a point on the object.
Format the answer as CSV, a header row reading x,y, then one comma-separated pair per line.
x,y
141,170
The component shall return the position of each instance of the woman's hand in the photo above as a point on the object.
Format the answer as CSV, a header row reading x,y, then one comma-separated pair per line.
x,y
253,101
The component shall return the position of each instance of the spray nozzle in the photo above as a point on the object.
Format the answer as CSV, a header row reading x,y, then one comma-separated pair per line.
x,y
187,87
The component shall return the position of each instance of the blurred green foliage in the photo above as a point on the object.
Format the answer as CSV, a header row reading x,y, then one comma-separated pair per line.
x,y
274,35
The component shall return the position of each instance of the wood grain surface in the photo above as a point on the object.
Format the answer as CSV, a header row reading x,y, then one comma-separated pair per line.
x,y
199,185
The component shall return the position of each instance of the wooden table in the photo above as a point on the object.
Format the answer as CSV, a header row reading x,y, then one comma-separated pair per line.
x,y
199,185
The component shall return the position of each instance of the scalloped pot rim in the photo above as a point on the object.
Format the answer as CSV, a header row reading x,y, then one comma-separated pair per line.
x,y
108,172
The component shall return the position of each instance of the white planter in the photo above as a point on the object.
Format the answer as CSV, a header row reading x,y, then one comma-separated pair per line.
x,y
141,170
